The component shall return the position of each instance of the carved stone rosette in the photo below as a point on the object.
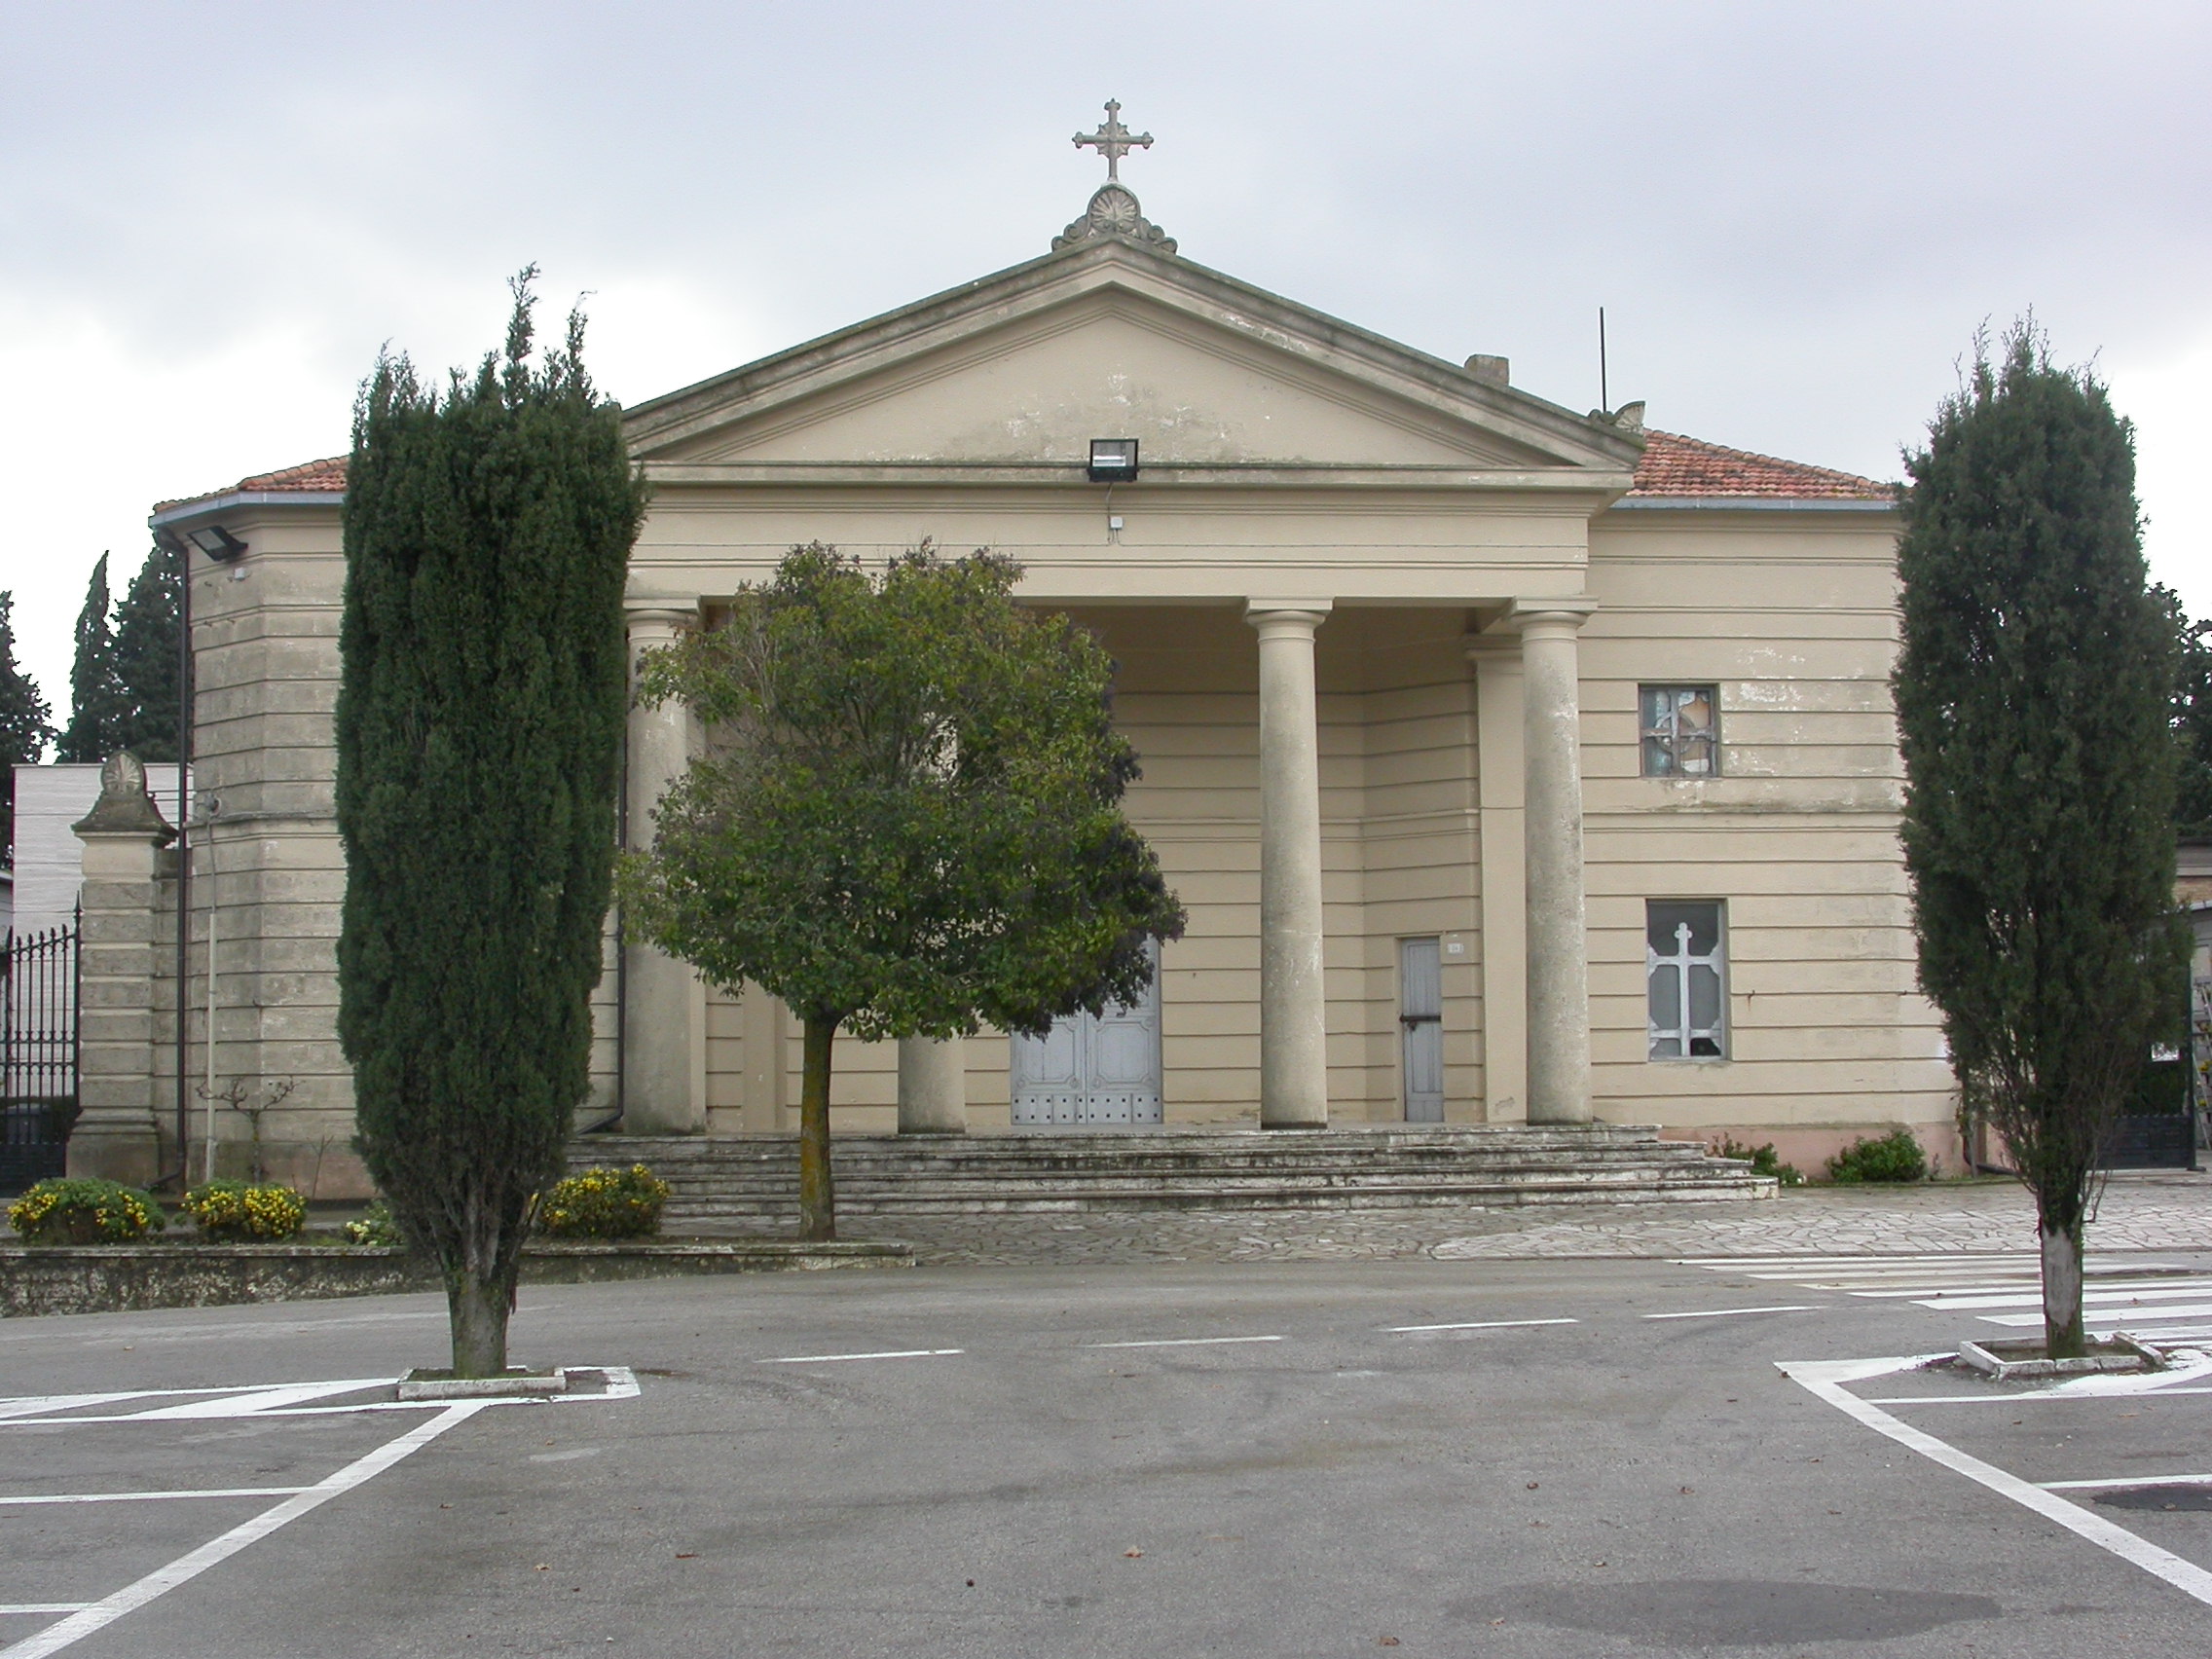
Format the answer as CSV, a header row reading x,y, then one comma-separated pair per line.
x,y
1113,212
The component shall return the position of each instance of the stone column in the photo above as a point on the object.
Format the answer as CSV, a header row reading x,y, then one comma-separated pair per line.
x,y
664,1017
933,1086
1558,976
1504,897
1294,1022
117,1135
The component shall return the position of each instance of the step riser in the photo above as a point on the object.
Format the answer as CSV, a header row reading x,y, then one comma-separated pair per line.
x,y
754,1179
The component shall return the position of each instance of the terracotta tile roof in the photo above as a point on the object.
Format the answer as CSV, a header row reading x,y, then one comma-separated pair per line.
x,y
1671,466
1675,465
308,477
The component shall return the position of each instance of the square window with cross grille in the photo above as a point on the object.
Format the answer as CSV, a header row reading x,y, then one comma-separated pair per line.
x,y
1685,975
1681,731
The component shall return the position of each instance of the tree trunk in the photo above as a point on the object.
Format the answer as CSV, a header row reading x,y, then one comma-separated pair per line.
x,y
2063,1337
817,1198
478,1308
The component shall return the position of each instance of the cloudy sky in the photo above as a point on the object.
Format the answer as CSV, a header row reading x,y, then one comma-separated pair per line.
x,y
1795,215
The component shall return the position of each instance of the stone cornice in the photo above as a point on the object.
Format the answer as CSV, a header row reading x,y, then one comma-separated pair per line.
x,y
1232,475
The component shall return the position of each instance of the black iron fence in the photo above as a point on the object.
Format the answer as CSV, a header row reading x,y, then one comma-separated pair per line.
x,y
39,983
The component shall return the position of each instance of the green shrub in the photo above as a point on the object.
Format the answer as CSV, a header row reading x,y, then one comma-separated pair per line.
x,y
240,1212
1763,1159
83,1210
1895,1157
604,1203
375,1228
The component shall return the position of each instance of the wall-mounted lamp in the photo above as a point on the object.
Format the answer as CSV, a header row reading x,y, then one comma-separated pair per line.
x,y
218,543
1113,461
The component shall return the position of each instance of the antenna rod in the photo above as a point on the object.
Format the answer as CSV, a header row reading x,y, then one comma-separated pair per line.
x,y
1605,389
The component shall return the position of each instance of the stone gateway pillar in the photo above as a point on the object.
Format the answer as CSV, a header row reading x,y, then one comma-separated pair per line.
x,y
664,1013
1559,975
1293,1015
117,1135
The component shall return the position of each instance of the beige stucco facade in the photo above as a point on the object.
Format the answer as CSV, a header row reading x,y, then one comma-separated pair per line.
x,y
1442,591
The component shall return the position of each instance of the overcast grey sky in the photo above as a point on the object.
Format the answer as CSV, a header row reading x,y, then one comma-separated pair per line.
x,y
1795,215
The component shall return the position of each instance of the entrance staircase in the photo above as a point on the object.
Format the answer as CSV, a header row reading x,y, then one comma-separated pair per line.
x,y
749,1183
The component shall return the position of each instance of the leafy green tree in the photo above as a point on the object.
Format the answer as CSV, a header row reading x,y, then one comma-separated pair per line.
x,y
910,822
96,694
2033,693
144,656
26,729
2193,725
479,722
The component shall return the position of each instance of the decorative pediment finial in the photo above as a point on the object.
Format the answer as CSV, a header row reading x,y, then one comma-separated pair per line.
x,y
1114,210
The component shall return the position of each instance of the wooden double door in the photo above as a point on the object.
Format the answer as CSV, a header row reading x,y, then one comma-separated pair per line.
x,y
1092,1071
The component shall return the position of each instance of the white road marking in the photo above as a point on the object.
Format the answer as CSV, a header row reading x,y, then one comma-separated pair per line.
x,y
98,1615
2031,1395
154,1496
1183,1341
2125,1481
257,1401
43,1607
1720,1313
1825,1380
621,1383
826,1358
2032,1297
1482,1325
2099,1316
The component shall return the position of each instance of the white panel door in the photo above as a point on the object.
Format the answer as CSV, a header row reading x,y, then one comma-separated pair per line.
x,y
1092,1069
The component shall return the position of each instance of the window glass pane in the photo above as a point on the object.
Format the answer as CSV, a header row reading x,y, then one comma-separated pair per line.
x,y
1679,730
1704,1048
1666,1047
1658,758
1664,917
1665,997
1705,997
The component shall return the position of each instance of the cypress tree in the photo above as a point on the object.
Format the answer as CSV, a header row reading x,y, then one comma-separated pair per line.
x,y
144,656
96,695
479,722
2033,692
24,727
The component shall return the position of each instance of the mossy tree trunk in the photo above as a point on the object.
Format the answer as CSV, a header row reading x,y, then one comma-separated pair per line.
x,y
817,1187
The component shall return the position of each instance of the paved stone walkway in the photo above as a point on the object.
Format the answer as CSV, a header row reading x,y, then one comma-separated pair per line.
x,y
2140,1212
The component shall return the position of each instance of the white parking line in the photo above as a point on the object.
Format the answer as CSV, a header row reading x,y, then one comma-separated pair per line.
x,y
1182,1342
1722,1313
154,1496
1825,1380
98,1615
43,1607
1482,1325
828,1358
2125,1481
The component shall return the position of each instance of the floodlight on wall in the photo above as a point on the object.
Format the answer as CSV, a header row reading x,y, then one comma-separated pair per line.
x,y
1113,461
218,543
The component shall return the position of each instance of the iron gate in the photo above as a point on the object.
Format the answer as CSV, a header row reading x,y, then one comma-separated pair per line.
x,y
39,979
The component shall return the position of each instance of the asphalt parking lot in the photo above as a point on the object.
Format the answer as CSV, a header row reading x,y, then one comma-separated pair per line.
x,y
1536,1457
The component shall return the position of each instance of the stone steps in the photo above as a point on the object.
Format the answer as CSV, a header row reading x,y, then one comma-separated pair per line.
x,y
720,1179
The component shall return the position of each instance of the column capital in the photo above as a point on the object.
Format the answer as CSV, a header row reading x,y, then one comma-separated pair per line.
x,y
1277,617
1550,615
666,616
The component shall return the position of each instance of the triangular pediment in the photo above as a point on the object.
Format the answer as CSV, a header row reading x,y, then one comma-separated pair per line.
x,y
1114,340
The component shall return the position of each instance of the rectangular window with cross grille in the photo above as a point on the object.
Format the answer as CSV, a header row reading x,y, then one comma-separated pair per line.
x,y
1681,731
1685,968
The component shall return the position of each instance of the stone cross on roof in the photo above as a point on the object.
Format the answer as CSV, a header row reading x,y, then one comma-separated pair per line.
x,y
1113,140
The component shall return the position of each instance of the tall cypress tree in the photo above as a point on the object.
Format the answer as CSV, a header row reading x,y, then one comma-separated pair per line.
x,y
479,722
2033,693
144,656
24,726
96,695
